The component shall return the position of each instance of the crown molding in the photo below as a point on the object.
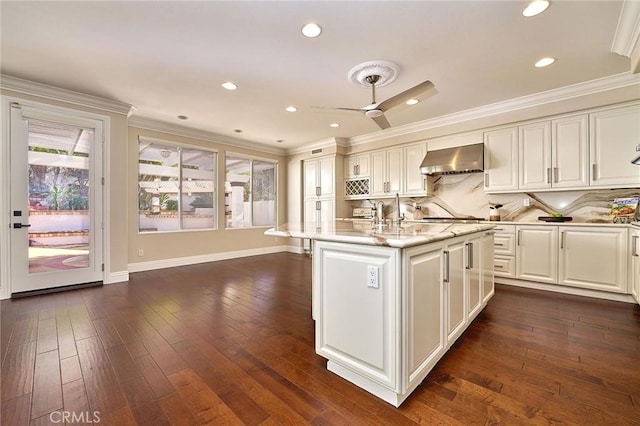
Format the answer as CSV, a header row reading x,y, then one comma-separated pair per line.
x,y
324,143
161,126
32,88
604,84
628,29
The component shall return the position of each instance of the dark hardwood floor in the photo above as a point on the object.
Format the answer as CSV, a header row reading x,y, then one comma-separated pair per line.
x,y
232,342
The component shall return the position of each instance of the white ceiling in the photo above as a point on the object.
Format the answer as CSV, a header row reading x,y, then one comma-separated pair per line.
x,y
169,58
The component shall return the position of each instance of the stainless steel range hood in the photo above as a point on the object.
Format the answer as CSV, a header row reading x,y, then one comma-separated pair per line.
x,y
461,159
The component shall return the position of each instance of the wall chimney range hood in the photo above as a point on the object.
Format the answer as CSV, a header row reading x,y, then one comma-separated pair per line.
x,y
461,159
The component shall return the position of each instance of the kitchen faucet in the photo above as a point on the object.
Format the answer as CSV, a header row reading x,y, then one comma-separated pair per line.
x,y
399,217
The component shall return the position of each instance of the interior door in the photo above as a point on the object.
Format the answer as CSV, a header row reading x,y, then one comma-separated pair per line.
x,y
56,200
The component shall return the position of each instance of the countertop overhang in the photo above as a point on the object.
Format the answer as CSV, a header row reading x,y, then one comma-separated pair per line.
x,y
364,232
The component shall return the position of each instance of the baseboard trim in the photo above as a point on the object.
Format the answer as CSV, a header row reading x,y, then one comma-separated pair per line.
x,y
192,260
295,249
616,297
116,277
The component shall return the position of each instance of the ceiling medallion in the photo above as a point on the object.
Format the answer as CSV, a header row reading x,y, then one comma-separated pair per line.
x,y
388,72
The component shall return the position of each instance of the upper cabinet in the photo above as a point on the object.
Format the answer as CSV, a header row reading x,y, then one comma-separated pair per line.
x,y
614,135
501,159
554,154
414,182
319,177
386,172
357,166
568,152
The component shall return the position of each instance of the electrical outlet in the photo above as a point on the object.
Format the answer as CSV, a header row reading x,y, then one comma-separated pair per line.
x,y
372,276
526,202
140,252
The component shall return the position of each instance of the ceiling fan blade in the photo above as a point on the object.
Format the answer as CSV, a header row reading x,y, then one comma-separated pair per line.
x,y
340,109
381,121
406,95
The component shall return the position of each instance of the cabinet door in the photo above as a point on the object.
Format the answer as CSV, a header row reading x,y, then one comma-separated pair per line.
x,y
350,166
363,165
311,212
326,170
594,258
423,297
311,171
501,159
473,271
534,156
537,253
454,291
570,152
488,259
394,171
614,135
634,267
378,173
327,210
414,181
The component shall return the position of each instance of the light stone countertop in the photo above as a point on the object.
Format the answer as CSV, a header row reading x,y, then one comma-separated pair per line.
x,y
363,232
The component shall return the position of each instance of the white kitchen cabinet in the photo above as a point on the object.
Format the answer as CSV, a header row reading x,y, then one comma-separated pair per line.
x,y
414,182
357,166
634,263
554,154
487,257
501,160
537,253
593,258
386,172
319,177
505,251
424,301
454,285
614,135
320,210
366,343
474,274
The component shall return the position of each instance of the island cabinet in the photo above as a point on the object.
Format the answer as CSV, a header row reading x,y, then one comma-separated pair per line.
x,y
634,263
385,315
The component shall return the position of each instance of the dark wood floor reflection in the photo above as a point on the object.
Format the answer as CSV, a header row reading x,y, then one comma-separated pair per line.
x,y
232,342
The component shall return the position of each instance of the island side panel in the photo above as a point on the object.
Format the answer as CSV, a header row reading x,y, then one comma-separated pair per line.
x,y
357,325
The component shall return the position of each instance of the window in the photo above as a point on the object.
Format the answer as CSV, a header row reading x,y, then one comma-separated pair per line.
x,y
176,187
250,192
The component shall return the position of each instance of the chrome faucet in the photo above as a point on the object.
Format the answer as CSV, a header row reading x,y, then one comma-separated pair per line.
x,y
399,217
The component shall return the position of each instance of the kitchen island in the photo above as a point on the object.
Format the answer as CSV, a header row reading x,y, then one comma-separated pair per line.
x,y
390,300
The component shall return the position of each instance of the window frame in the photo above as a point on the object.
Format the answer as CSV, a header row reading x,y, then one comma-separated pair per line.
x,y
251,159
179,147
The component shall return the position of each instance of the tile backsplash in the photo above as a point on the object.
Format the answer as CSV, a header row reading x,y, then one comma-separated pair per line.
x,y
463,195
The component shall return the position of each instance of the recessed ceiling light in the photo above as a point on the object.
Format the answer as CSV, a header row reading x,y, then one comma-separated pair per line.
x,y
291,108
334,125
183,117
311,30
412,101
544,62
229,85
534,8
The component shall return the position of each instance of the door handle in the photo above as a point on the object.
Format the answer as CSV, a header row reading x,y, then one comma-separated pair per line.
x,y
594,172
469,255
548,174
486,180
634,251
562,240
446,266
21,225
318,191
555,175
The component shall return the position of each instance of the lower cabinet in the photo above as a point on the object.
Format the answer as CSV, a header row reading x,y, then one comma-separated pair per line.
x,y
593,258
386,336
537,253
487,256
634,263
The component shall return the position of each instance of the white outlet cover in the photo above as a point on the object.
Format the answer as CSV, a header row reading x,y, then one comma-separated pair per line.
x,y
373,274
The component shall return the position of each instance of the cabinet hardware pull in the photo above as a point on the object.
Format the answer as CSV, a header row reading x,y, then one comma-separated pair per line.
x,y
469,255
486,180
555,175
498,266
318,191
519,231
594,172
634,251
498,244
446,266
562,240
318,205
424,184
548,174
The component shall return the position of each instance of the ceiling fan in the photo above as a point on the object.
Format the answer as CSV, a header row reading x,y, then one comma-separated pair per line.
x,y
375,111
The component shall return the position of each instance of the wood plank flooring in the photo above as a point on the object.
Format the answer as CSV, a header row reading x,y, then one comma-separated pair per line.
x,y
232,342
